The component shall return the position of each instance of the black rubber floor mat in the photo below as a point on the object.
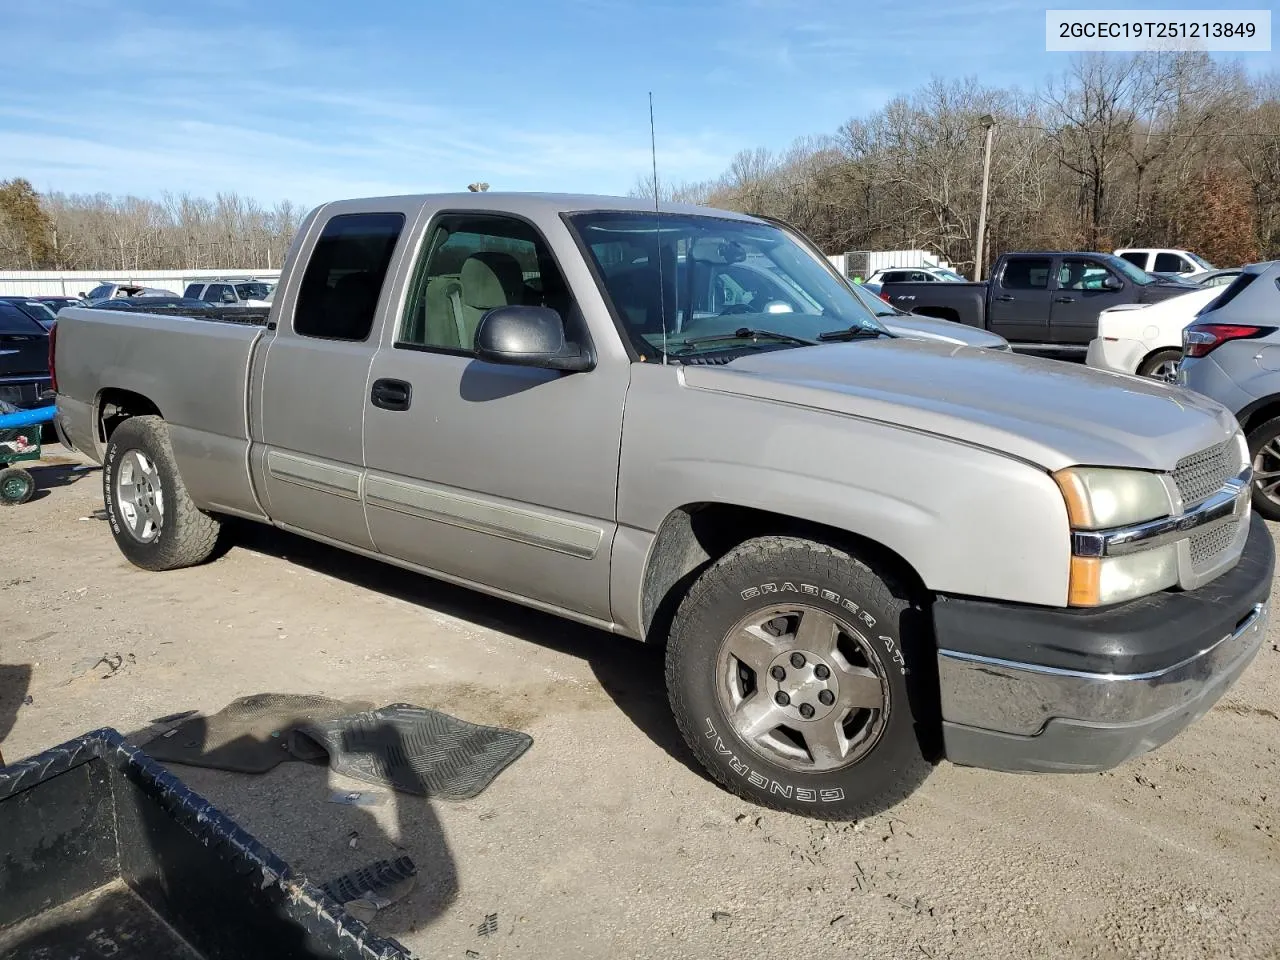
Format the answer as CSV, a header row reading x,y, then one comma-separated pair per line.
x,y
248,735
417,750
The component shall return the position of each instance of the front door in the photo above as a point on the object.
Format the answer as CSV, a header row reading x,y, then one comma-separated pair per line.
x,y
310,459
1080,294
492,474
1018,299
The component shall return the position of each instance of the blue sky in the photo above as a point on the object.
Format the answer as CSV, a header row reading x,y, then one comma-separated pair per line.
x,y
308,101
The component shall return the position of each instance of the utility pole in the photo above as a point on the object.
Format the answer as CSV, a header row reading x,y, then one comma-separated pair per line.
x,y
988,121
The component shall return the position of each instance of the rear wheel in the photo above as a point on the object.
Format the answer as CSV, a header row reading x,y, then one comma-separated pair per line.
x,y
16,486
153,519
788,677
1264,450
1161,365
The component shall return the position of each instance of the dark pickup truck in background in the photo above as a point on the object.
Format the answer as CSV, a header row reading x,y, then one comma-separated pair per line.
x,y
1046,303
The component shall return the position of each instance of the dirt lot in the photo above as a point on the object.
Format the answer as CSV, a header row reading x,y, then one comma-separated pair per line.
x,y
602,841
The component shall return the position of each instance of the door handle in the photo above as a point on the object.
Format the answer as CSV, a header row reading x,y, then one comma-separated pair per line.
x,y
1006,298
391,394
1064,299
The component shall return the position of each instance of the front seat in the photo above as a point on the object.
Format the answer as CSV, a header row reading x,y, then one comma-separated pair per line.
x,y
489,279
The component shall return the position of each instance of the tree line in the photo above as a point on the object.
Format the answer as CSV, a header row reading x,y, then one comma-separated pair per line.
x,y
59,231
1149,150
1167,149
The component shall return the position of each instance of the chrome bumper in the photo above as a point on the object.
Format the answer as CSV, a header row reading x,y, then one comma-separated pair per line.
x,y
1022,698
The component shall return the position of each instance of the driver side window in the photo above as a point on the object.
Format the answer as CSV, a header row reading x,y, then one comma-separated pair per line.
x,y
469,265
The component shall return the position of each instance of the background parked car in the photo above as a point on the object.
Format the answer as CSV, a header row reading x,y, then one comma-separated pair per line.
x,y
40,312
1146,338
153,303
1164,260
111,291
230,293
1231,353
24,357
915,275
1214,278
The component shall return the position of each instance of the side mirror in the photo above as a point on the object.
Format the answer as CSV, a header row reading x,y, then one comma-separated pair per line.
x,y
528,337
1112,283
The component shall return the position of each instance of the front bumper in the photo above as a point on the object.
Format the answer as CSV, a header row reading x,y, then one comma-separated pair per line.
x,y
1118,356
1077,690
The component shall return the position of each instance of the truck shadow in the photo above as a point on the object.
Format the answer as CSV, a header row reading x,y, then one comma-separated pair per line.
x,y
631,673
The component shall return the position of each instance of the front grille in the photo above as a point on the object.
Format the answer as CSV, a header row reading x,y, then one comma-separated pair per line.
x,y
1207,547
1200,475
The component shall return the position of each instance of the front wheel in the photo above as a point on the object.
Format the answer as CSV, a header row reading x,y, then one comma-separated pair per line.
x,y
1264,451
155,523
787,671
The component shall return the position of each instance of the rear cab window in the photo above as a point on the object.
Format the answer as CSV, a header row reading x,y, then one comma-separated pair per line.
x,y
193,291
1137,258
338,297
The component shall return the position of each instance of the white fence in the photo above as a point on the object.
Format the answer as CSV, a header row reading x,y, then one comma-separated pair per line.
x,y
71,283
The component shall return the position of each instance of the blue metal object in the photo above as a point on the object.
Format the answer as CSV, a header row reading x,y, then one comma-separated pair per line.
x,y
27,418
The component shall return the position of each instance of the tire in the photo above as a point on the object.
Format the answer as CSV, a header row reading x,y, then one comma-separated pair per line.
x,y
1264,454
154,522
16,486
786,582
1150,367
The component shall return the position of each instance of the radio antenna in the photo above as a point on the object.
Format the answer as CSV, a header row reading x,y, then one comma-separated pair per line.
x,y
657,232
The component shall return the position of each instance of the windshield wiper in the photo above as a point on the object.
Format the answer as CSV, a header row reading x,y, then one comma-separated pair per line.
x,y
746,333
850,333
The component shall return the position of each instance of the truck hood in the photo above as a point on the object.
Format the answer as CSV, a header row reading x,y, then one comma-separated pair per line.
x,y
1047,412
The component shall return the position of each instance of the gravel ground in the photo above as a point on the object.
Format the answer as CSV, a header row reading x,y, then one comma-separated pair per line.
x,y
602,840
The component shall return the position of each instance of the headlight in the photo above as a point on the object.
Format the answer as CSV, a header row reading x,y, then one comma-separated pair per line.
x,y
1102,497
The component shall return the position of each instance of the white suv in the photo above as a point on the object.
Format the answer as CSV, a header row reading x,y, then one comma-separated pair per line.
x,y
231,293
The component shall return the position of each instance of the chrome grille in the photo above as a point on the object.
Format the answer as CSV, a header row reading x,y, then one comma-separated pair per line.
x,y
1199,475
1207,547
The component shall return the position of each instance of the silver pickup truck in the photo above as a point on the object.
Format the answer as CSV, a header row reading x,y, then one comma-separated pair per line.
x,y
862,552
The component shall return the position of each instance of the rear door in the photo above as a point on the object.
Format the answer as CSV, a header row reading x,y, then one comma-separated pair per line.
x,y
1018,301
309,462
1080,294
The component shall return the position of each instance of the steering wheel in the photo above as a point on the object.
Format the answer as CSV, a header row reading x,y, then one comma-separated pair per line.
x,y
737,308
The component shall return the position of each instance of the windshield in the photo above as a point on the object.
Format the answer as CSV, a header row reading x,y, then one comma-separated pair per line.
x,y
948,275
718,277
1120,265
252,291
1202,263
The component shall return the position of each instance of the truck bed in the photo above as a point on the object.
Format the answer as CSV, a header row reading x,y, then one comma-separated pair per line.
x,y
192,370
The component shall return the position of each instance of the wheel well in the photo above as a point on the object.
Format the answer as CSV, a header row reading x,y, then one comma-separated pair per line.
x,y
115,406
694,536
1261,414
938,313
